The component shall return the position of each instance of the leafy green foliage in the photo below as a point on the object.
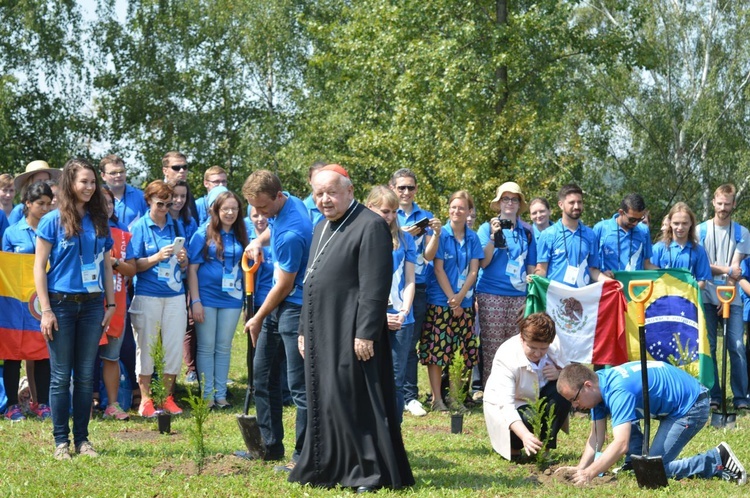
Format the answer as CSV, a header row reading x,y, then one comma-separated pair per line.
x,y
541,418
159,390
200,409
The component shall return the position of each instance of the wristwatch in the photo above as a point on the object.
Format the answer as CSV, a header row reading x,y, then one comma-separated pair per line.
x,y
116,263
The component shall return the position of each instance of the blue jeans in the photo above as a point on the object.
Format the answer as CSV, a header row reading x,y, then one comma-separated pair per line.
x,y
278,337
673,434
735,349
73,348
401,343
214,349
419,307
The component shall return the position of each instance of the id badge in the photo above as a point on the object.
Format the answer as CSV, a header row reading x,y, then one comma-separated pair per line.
x,y
720,280
164,271
571,275
596,457
90,277
227,282
513,269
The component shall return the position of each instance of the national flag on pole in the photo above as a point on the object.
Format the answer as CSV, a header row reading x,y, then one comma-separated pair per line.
x,y
675,325
20,336
590,320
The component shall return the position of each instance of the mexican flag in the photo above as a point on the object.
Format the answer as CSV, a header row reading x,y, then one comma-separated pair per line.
x,y
590,320
675,324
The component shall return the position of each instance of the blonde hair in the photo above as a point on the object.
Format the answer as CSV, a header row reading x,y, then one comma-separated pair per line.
x,y
381,196
681,207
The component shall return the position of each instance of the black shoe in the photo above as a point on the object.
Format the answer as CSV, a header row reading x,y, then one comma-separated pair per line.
x,y
627,467
732,470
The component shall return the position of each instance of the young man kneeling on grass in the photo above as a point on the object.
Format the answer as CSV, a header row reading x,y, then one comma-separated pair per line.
x,y
677,400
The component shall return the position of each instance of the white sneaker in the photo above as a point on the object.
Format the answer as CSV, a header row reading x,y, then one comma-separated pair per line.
x,y
415,408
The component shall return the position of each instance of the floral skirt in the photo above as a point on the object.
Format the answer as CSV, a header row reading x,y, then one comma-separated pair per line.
x,y
498,322
443,334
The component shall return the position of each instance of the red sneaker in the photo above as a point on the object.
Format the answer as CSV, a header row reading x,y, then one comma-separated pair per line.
x,y
147,409
171,407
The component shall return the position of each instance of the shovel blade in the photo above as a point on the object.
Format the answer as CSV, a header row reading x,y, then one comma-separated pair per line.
x,y
724,421
250,431
649,471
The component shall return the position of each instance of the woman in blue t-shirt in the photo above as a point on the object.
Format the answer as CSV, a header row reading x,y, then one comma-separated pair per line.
x,y
21,238
216,292
159,301
384,202
509,255
449,324
679,246
74,239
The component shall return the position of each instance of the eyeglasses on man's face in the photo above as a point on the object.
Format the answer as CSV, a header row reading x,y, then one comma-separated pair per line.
x,y
179,167
403,188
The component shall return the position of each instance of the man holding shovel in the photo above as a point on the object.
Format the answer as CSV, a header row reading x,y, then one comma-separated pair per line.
x,y
678,401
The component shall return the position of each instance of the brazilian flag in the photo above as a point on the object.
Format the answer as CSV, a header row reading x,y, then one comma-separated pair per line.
x,y
675,325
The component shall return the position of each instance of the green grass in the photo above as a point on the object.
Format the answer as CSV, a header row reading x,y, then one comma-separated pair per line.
x,y
137,461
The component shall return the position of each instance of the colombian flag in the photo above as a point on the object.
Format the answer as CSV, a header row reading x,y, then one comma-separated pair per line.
x,y
20,337
675,325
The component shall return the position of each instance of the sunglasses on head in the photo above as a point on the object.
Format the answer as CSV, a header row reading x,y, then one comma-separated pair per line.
x,y
410,188
179,167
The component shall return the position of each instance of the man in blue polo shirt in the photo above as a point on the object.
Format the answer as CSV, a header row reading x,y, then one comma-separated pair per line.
x,y
129,202
566,251
623,243
274,328
404,184
677,400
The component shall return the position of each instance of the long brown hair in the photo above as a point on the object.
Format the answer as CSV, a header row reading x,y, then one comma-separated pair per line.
x,y
681,207
66,201
213,229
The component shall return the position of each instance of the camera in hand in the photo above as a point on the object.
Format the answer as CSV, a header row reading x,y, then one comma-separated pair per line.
x,y
500,241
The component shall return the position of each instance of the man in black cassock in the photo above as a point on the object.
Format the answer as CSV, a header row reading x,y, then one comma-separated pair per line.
x,y
353,434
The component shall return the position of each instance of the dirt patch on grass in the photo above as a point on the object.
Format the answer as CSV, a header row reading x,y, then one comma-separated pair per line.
x,y
550,476
215,465
139,435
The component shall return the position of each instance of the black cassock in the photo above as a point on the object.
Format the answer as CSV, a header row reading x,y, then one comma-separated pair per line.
x,y
353,437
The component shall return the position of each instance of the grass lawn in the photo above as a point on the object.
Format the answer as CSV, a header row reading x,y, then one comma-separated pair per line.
x,y
137,461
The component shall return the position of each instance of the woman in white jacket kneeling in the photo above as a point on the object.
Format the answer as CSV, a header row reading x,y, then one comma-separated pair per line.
x,y
525,368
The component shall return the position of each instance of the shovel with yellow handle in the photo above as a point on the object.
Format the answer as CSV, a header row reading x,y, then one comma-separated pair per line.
x,y
649,470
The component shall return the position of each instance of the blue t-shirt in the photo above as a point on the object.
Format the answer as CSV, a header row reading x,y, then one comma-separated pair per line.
x,y
212,271
506,273
406,253
456,257
560,248
264,274
200,206
131,207
20,238
291,236
672,392
312,210
71,257
538,232
423,269
745,267
16,215
620,249
188,229
164,279
692,257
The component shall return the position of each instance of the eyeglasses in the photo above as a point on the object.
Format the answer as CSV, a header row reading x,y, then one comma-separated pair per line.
x,y
116,172
229,210
510,200
404,188
216,183
179,167
162,204
631,220
577,394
